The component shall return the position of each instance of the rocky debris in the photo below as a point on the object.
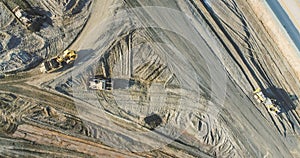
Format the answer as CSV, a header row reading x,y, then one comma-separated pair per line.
x,y
16,60
56,33
11,110
153,121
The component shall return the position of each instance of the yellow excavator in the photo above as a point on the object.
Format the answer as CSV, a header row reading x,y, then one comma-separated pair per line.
x,y
269,103
55,63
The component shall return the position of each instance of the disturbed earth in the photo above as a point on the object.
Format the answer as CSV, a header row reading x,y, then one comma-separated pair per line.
x,y
183,74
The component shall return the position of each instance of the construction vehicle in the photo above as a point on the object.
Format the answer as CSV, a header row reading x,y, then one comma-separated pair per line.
x,y
22,16
69,56
268,102
29,21
51,65
55,63
98,83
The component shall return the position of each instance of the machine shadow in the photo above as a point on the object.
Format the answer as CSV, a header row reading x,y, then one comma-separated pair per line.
x,y
285,100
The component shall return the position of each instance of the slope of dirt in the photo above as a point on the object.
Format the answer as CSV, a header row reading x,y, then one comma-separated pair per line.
x,y
278,33
182,75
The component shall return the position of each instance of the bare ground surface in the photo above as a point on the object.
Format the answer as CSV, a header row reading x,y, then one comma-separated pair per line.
x,y
192,64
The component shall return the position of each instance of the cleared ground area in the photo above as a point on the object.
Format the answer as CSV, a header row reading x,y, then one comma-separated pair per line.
x,y
183,75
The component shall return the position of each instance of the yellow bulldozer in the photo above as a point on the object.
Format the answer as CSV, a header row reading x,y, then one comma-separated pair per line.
x,y
55,63
69,56
269,103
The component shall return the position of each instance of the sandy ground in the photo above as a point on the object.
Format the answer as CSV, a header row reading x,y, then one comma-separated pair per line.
x,y
278,34
292,8
187,66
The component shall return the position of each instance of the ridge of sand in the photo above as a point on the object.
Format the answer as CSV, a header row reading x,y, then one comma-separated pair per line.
x,y
276,30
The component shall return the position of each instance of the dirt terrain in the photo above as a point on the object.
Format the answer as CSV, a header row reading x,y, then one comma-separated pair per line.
x,y
183,74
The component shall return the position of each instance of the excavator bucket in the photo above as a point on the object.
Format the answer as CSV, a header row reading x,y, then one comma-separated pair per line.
x,y
271,106
273,109
59,59
259,96
257,90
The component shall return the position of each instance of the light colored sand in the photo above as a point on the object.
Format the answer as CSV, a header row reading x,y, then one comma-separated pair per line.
x,y
292,8
276,30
